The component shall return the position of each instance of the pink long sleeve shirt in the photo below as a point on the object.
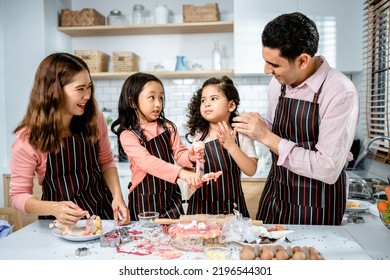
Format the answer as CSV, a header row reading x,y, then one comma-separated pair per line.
x,y
27,162
338,113
142,162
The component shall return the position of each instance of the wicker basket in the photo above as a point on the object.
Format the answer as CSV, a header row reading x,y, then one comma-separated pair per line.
x,y
97,61
125,61
85,17
208,12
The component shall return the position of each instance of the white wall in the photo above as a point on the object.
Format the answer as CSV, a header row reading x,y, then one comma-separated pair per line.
x,y
27,34
3,150
22,27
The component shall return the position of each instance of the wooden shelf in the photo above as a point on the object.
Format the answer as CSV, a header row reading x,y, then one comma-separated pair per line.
x,y
149,29
166,74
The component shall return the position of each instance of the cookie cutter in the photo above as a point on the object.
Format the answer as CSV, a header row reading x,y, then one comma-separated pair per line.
x,y
82,252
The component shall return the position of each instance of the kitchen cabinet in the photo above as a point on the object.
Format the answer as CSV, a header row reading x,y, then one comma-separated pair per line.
x,y
252,188
154,29
339,24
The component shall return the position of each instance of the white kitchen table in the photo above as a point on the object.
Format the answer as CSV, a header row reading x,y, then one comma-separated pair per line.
x,y
364,241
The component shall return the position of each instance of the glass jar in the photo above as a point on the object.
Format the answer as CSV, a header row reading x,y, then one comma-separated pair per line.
x,y
116,18
138,14
216,57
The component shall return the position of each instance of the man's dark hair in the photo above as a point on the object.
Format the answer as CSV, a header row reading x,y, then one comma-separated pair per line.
x,y
293,34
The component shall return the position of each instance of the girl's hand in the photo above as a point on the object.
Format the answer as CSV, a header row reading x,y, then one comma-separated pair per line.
x,y
190,177
226,136
197,152
67,212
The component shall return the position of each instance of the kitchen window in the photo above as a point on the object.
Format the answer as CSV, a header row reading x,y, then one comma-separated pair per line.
x,y
376,60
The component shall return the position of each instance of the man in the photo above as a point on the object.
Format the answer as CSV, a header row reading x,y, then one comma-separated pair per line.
x,y
309,127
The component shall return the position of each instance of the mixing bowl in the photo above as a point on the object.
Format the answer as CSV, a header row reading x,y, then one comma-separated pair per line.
x,y
217,253
147,218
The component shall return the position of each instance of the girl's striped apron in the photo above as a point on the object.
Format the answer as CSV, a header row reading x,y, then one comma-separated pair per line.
x,y
289,198
153,193
224,195
73,174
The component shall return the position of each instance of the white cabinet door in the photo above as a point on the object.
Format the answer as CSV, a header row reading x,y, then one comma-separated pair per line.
x,y
339,23
250,17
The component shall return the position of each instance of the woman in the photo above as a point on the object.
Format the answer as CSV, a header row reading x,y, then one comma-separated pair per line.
x,y
63,140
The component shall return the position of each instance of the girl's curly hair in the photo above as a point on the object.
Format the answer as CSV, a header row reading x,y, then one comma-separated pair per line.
x,y
196,123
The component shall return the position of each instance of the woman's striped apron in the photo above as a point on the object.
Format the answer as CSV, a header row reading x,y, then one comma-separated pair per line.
x,y
73,174
153,193
289,198
224,195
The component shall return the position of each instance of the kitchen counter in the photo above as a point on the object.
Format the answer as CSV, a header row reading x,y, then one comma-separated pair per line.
x,y
364,241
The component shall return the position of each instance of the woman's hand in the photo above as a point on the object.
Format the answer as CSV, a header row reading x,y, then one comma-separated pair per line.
x,y
67,212
121,212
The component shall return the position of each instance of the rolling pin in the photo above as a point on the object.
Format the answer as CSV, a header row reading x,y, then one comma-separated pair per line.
x,y
219,219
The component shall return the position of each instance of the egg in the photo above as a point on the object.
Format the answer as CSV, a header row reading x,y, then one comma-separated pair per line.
x,y
313,254
247,253
312,250
281,255
299,255
296,249
278,248
265,248
266,255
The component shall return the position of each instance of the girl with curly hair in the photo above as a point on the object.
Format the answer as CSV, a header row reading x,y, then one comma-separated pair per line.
x,y
210,112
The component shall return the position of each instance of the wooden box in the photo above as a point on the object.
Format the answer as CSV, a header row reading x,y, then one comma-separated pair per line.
x,y
84,17
97,61
208,12
125,61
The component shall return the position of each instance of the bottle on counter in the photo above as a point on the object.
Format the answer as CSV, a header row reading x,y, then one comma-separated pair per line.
x,y
138,14
216,57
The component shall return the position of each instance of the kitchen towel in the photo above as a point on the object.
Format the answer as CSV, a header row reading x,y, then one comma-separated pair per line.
x,y
5,229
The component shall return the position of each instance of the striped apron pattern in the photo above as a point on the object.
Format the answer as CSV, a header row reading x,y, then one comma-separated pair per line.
x,y
289,198
224,195
73,174
153,193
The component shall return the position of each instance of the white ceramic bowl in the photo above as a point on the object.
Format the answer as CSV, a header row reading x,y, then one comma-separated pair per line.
x,y
217,253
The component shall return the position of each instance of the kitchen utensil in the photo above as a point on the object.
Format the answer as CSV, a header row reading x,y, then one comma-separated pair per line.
x,y
219,219
110,239
358,188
